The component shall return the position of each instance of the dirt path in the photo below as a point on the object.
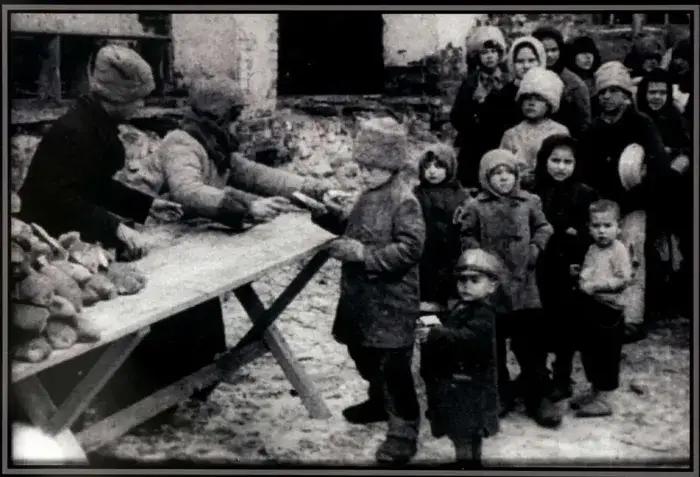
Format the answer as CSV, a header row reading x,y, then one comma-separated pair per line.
x,y
257,418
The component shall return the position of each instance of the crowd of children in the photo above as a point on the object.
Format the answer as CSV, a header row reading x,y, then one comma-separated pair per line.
x,y
515,236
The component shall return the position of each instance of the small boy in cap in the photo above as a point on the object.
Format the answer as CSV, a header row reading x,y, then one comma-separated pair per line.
x,y
539,96
458,359
381,245
510,223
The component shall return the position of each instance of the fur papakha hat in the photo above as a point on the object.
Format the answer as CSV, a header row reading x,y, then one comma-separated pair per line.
x,y
382,143
119,75
542,82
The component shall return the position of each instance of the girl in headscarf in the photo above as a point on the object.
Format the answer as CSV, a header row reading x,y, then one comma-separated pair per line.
x,y
575,110
583,59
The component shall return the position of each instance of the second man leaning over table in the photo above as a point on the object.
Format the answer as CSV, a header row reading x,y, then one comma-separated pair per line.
x,y
198,165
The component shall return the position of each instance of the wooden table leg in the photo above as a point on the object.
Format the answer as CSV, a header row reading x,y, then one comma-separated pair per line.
x,y
37,403
43,413
292,369
100,373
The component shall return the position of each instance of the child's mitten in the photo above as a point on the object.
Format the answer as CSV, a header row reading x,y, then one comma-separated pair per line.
x,y
127,278
347,250
60,334
33,351
36,289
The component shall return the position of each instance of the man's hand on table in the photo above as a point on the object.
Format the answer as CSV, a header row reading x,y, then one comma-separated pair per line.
x,y
165,210
134,242
268,208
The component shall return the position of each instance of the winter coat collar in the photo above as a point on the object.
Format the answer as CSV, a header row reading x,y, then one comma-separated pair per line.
x,y
517,194
217,141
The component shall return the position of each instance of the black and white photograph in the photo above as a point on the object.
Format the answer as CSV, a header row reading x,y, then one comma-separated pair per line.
x,y
360,238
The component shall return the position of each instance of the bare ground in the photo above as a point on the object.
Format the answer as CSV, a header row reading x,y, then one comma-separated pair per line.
x,y
257,418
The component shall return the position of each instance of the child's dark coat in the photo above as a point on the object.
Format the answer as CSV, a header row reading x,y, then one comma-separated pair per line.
x,y
379,299
480,126
565,205
442,246
458,365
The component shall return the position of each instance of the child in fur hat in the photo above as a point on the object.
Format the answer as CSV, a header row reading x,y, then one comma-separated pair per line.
x,y
539,95
480,113
381,245
565,200
458,359
509,222
605,273
439,194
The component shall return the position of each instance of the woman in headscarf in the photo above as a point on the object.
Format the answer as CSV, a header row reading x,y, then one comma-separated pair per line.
x,y
583,59
575,109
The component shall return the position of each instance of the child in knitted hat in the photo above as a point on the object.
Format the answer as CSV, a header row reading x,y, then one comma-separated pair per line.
x,y
439,194
480,112
539,95
458,359
509,222
381,245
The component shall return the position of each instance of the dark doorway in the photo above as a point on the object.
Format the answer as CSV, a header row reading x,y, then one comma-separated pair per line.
x,y
330,53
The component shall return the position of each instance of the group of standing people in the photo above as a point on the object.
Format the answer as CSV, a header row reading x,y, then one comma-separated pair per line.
x,y
515,236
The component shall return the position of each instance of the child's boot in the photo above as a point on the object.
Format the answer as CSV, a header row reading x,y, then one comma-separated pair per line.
x,y
396,450
580,400
366,412
545,413
599,406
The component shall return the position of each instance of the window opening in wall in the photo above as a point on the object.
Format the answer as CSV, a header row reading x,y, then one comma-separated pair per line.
x,y
328,53
53,65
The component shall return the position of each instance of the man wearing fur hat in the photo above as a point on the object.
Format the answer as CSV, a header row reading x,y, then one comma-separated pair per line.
x,y
381,246
619,125
575,110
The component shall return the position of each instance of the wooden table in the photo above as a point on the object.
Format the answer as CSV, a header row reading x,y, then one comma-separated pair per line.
x,y
199,266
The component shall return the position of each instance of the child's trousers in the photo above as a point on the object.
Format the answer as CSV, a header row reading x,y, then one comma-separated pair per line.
x,y
388,372
527,330
601,342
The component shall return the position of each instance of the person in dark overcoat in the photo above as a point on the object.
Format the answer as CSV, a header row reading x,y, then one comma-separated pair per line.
x,y
480,113
439,194
458,359
565,201
509,222
381,243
